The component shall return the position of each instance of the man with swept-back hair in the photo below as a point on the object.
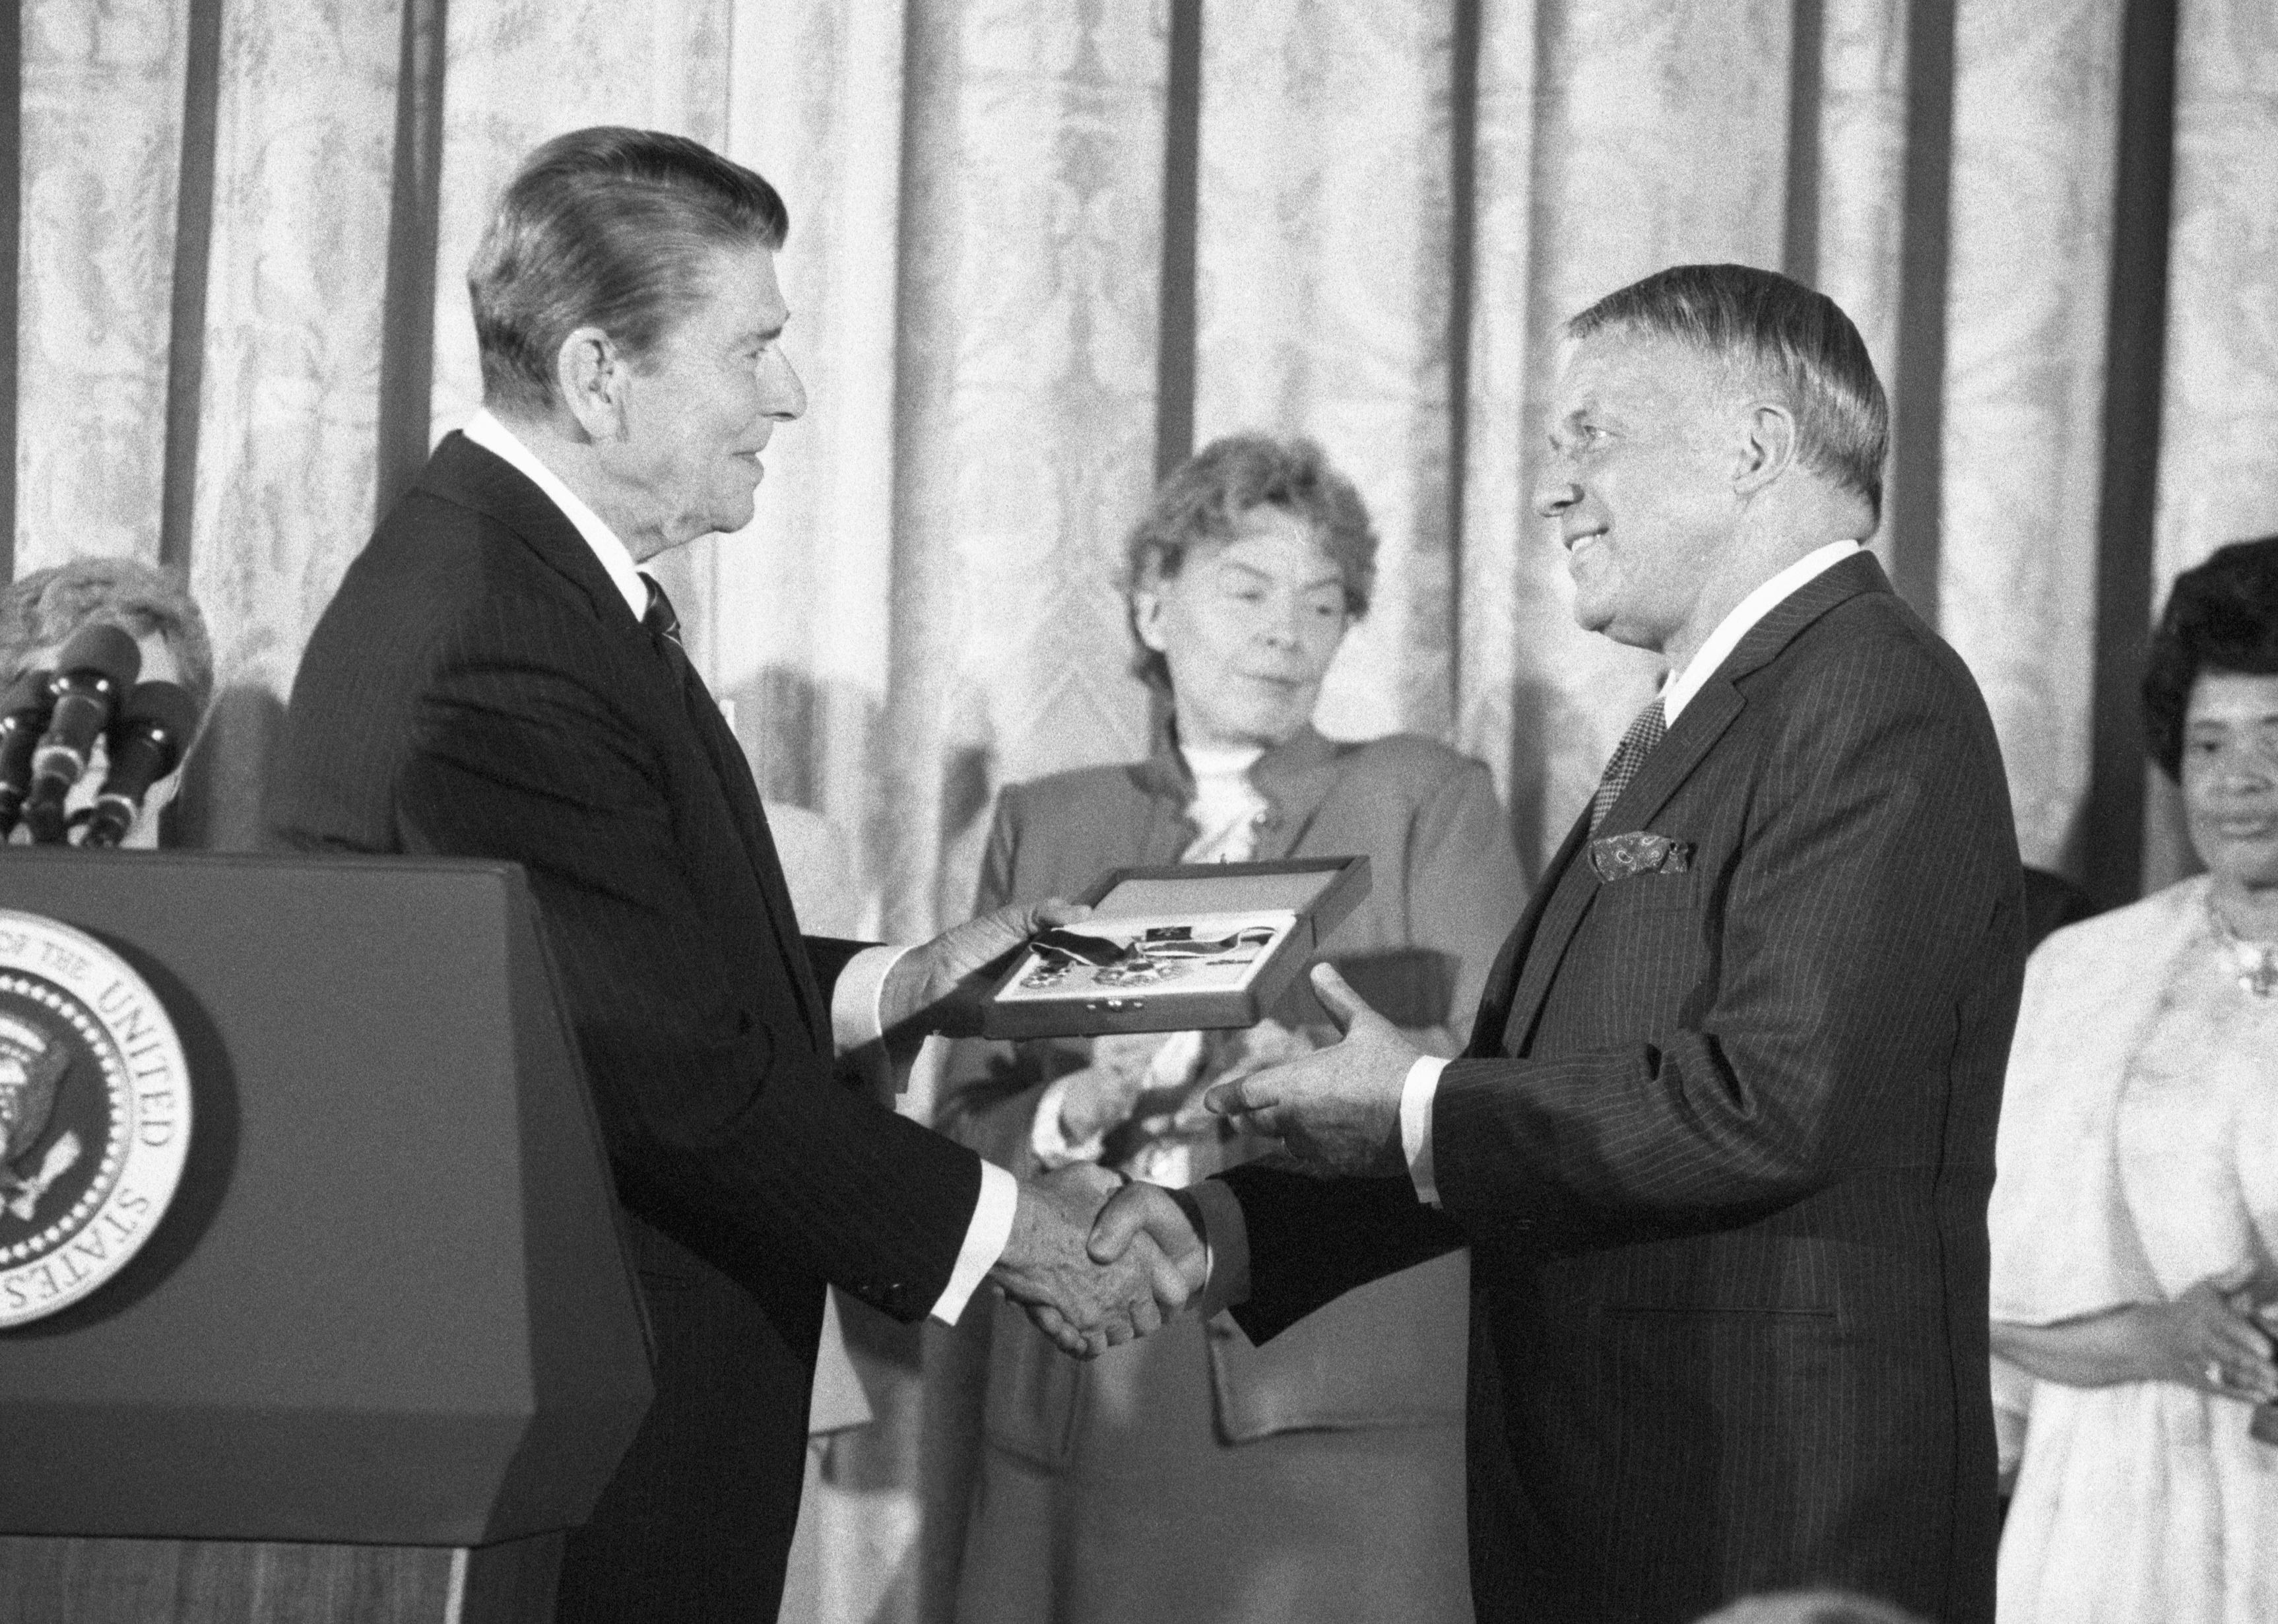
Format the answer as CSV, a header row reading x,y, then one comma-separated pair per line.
x,y
497,677
1721,1142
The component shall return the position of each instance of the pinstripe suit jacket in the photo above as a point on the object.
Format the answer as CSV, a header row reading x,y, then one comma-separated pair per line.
x,y
1722,1146
478,688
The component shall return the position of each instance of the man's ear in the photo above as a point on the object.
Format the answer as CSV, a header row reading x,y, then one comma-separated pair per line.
x,y
1766,447
590,373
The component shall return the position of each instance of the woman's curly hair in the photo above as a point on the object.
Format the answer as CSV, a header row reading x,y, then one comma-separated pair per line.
x,y
1206,498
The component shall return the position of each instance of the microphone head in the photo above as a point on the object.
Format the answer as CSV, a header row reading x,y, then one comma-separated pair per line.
x,y
103,648
27,693
163,709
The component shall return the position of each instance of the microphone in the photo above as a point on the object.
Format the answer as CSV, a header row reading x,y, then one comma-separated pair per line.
x,y
144,745
23,718
92,673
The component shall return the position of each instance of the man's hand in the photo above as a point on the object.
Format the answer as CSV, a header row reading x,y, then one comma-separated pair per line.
x,y
1144,1212
1084,1307
1336,1111
938,986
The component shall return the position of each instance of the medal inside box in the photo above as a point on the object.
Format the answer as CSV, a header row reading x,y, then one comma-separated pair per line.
x,y
1193,945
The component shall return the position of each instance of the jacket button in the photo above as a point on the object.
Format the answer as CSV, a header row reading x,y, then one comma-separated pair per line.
x,y
1267,820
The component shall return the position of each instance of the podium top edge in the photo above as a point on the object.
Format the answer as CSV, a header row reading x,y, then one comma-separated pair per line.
x,y
271,861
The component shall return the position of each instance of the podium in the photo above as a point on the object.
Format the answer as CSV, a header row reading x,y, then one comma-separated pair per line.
x,y
384,1345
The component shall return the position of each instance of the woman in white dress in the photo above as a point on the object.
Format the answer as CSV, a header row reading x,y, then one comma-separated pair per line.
x,y
2135,1220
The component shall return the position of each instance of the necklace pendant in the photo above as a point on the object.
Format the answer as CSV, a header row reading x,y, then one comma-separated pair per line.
x,y
2257,962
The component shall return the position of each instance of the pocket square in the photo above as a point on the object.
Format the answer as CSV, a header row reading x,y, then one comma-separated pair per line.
x,y
1620,856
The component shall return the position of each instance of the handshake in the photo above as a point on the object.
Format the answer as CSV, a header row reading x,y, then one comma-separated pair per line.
x,y
1097,1261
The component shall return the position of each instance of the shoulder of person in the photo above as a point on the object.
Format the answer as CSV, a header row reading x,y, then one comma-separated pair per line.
x,y
1418,767
489,586
1874,654
2139,933
1077,790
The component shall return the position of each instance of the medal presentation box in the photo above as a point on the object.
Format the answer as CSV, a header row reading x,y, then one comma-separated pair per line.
x,y
380,1343
1190,946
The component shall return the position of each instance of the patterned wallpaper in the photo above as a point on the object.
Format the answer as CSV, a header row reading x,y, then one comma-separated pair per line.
x,y
925,607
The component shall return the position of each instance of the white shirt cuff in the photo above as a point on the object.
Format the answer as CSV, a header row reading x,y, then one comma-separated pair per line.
x,y
984,1241
1225,1248
1047,1134
1416,1094
858,1018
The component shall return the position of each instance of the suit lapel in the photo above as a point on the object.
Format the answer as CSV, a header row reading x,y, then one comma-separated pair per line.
x,y
750,817
1496,1003
1699,726
1296,778
1572,885
464,472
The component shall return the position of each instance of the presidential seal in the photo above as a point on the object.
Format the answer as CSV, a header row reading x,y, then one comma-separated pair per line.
x,y
95,1115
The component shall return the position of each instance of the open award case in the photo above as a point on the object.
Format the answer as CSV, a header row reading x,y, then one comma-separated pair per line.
x,y
1198,946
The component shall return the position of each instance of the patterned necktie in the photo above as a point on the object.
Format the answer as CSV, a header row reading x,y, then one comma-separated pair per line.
x,y
1629,755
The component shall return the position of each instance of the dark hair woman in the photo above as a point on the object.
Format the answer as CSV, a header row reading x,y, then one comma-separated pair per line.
x,y
2135,1219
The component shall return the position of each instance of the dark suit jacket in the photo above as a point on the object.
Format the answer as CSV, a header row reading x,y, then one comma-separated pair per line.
x,y
479,688
1722,1145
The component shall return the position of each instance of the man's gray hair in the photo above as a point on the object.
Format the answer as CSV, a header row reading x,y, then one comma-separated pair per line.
x,y
1792,338
605,227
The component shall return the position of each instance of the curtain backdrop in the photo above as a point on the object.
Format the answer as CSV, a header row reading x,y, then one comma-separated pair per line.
x,y
1039,247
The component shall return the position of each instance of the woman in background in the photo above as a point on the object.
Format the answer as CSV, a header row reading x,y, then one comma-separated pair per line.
x,y
2135,1219
41,611
1191,1475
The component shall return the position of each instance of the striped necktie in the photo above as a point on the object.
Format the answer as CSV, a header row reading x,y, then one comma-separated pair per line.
x,y
659,616
1629,756
664,626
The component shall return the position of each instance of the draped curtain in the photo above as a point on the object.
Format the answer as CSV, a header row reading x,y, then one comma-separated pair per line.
x,y
1039,248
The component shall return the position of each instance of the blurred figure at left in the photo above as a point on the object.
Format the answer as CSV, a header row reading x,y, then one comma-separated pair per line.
x,y
44,610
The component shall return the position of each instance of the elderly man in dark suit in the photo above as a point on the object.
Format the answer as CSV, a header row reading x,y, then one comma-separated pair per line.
x,y
497,678
1723,1139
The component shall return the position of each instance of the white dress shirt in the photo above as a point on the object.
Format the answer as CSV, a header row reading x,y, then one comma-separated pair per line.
x,y
1225,811
857,1015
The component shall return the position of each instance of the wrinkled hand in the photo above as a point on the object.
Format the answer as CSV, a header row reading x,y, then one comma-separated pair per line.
x,y
1169,1218
1335,1111
1085,1307
2212,1337
939,986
